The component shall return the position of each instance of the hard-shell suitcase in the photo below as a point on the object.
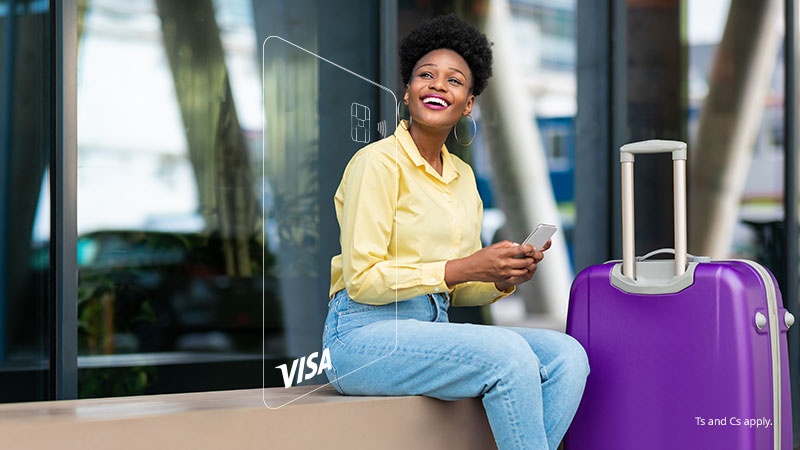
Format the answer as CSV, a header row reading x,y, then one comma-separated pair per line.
x,y
685,353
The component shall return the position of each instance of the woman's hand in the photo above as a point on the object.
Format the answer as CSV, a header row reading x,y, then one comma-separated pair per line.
x,y
504,263
531,253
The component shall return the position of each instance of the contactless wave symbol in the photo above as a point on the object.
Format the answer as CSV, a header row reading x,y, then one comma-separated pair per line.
x,y
359,123
382,128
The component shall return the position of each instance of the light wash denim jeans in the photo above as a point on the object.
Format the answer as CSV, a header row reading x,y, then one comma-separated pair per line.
x,y
531,380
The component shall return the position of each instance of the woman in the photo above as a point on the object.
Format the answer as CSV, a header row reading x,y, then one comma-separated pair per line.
x,y
410,219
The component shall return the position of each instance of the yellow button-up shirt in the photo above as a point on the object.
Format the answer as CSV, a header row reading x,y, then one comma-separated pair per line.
x,y
400,223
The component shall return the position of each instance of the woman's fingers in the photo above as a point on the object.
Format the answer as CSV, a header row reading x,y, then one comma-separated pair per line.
x,y
516,263
512,261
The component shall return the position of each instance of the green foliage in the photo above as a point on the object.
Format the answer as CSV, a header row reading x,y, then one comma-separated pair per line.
x,y
115,381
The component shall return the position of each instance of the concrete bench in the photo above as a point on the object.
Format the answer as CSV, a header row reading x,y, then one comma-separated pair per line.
x,y
240,420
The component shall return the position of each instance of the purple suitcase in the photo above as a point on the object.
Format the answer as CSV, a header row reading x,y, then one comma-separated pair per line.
x,y
685,353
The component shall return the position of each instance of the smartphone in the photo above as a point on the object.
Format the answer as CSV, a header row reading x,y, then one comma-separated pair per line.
x,y
540,235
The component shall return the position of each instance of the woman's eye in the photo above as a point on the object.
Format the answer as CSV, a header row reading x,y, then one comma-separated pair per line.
x,y
456,81
426,75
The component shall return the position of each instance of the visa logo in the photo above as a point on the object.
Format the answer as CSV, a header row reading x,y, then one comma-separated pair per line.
x,y
305,367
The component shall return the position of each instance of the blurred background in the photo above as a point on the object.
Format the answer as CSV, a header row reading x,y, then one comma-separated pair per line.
x,y
168,166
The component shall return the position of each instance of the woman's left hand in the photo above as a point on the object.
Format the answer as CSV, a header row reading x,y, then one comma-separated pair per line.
x,y
537,256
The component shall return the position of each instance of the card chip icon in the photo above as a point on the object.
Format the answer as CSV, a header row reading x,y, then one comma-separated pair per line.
x,y
359,123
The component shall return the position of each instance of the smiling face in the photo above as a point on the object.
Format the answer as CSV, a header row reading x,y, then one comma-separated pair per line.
x,y
439,91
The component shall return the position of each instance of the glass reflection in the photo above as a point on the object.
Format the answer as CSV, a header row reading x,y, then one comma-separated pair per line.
x,y
735,120
170,248
25,151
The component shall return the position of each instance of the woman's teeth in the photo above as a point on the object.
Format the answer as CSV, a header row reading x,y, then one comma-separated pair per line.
x,y
435,100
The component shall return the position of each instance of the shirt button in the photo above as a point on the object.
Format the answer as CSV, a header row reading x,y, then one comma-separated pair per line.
x,y
436,289
433,280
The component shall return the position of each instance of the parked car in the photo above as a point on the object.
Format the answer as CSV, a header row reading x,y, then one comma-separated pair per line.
x,y
150,291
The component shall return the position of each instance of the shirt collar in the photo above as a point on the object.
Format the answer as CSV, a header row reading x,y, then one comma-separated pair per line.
x,y
449,170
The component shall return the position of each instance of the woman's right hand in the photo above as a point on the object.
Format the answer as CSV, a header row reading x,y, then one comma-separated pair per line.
x,y
499,263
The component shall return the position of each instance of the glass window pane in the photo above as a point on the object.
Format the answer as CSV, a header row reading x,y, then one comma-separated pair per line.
x,y
170,247
735,122
25,151
186,229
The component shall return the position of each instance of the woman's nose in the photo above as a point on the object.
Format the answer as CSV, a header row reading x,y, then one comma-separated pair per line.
x,y
437,84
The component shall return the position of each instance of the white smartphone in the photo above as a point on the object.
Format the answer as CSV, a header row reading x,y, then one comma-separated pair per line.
x,y
540,235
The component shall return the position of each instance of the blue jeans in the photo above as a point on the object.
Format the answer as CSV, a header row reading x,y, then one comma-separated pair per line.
x,y
530,380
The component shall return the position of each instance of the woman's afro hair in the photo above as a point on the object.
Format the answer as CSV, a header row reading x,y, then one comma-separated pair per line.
x,y
452,33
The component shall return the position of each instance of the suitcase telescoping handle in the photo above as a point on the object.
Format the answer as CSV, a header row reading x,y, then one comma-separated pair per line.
x,y
626,155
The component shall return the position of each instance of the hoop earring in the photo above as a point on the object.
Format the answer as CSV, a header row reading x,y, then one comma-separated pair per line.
x,y
397,110
474,132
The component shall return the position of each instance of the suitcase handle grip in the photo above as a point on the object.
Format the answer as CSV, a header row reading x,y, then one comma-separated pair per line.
x,y
627,152
677,148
